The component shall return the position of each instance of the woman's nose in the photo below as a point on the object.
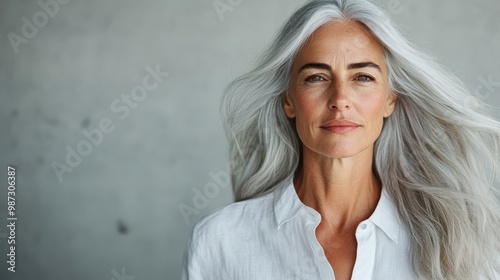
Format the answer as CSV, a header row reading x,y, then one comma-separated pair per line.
x,y
338,97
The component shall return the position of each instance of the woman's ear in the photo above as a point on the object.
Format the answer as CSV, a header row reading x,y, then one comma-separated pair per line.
x,y
390,104
288,105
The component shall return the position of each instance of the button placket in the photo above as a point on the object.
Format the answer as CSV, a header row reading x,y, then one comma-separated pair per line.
x,y
325,270
365,257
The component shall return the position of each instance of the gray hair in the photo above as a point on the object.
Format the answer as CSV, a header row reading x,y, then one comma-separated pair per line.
x,y
437,154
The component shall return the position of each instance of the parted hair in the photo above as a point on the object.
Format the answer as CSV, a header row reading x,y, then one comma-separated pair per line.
x,y
437,154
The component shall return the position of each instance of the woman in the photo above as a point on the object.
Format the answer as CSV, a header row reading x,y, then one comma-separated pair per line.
x,y
353,157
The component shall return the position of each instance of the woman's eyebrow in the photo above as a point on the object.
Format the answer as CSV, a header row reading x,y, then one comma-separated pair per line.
x,y
357,65
363,65
315,65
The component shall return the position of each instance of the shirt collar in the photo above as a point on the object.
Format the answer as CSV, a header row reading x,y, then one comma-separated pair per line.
x,y
287,205
286,202
386,216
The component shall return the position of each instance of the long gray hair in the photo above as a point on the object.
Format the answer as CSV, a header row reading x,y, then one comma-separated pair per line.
x,y
437,154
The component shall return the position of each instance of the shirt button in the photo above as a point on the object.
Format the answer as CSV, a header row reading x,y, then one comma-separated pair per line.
x,y
363,226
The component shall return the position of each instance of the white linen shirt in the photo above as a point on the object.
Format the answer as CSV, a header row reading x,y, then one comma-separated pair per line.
x,y
273,237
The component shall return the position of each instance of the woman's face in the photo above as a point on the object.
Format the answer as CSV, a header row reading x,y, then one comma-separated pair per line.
x,y
339,92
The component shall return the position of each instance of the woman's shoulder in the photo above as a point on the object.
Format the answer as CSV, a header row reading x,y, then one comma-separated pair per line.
x,y
237,215
228,231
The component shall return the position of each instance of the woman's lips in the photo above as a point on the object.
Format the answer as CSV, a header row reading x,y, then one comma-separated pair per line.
x,y
340,126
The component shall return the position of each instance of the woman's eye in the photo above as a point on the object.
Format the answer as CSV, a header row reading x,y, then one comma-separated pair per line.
x,y
364,78
315,78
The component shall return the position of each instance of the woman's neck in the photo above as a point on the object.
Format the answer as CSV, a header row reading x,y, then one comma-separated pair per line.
x,y
344,191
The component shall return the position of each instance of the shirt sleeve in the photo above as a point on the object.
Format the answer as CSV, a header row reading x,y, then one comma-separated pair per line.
x,y
192,265
202,255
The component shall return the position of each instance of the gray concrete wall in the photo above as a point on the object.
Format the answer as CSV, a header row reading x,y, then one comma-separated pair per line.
x,y
115,211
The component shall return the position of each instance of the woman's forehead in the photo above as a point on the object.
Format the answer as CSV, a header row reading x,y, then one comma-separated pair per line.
x,y
340,39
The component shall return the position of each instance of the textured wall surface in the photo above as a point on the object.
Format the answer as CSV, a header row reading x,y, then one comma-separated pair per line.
x,y
85,90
